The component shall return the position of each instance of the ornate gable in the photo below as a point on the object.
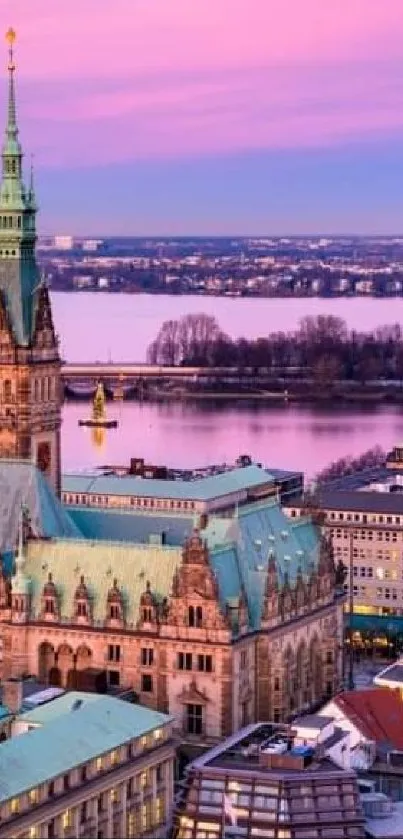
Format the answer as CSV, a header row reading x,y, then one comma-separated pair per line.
x,y
44,333
191,694
194,599
270,611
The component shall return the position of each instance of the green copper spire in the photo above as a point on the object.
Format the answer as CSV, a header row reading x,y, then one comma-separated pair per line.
x,y
11,128
18,269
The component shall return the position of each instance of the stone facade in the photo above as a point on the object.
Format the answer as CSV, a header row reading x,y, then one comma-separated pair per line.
x,y
186,654
30,384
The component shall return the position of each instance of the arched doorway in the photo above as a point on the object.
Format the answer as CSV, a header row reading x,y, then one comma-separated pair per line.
x,y
71,679
46,660
83,657
65,661
55,677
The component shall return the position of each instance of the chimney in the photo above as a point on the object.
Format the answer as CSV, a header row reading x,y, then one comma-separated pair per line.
x,y
12,694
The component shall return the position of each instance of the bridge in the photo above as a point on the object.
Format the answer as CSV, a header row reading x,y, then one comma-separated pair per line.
x,y
119,378
113,372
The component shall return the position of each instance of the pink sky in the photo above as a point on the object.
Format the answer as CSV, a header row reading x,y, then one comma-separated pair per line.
x,y
102,82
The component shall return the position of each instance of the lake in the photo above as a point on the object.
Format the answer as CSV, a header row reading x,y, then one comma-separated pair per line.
x,y
96,327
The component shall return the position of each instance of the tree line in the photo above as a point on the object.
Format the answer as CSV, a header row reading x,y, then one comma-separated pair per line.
x,y
349,465
322,344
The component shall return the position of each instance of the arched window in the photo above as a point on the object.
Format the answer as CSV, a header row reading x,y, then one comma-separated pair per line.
x,y
49,606
195,616
8,392
147,615
114,611
81,609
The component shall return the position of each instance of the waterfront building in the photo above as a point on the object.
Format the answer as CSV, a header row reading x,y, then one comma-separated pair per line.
x,y
85,765
273,782
363,518
201,596
30,393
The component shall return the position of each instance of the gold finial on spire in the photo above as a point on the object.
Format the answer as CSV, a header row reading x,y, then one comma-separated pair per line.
x,y
10,38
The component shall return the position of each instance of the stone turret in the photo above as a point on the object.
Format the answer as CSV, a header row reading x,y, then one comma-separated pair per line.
x,y
20,583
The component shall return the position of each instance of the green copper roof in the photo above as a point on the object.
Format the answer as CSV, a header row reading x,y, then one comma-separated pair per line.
x,y
201,489
100,563
19,275
240,548
58,707
23,484
134,526
69,740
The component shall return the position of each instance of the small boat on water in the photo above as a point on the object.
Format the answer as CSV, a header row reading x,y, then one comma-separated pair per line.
x,y
98,419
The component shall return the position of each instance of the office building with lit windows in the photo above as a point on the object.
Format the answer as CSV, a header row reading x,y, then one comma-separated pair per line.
x,y
86,765
363,520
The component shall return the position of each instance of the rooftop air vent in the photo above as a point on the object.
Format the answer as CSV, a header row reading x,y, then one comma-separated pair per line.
x,y
284,534
287,557
258,543
259,567
272,537
300,553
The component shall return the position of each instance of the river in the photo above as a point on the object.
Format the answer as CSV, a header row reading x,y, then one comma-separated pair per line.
x,y
101,326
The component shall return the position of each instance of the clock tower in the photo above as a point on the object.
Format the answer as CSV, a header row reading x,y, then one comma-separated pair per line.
x,y
30,384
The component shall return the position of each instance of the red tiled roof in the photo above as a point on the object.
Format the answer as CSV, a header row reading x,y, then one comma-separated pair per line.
x,y
377,713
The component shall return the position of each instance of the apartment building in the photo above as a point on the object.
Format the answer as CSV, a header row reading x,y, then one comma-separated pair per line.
x,y
86,765
363,518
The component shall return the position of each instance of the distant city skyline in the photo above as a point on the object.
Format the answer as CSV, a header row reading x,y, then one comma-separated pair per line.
x,y
164,117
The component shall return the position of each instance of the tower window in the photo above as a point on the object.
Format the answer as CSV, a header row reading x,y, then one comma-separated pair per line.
x,y
19,222
8,395
195,615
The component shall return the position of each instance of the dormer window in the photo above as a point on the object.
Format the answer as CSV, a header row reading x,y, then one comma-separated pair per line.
x,y
115,605
82,602
195,616
82,611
